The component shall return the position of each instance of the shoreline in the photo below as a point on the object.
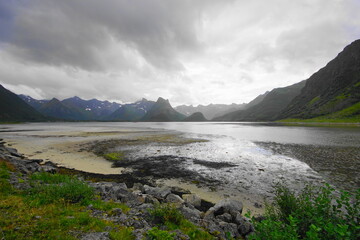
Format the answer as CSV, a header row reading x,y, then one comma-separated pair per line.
x,y
74,157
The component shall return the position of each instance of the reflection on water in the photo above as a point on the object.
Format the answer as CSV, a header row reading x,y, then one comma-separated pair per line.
x,y
258,166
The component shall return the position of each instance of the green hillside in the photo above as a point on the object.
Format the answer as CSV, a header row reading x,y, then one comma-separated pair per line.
x,y
12,108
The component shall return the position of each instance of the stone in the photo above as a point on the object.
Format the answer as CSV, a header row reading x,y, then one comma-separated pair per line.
x,y
226,217
172,198
191,214
179,191
116,211
150,199
244,225
49,167
213,228
180,235
96,236
138,186
193,199
230,228
14,152
159,193
231,206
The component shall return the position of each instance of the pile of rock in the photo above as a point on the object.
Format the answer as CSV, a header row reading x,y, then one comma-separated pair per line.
x,y
222,219
22,164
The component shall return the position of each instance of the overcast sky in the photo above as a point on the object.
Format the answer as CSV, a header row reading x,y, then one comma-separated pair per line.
x,y
190,52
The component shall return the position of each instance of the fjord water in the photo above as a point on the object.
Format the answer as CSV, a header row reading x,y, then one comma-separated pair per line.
x,y
263,154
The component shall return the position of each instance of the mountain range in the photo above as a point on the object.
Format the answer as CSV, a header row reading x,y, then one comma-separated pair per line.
x,y
210,111
131,112
333,92
77,109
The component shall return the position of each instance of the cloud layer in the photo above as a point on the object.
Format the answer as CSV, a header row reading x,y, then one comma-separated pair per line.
x,y
188,51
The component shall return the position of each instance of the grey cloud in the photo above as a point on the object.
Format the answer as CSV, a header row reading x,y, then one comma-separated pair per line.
x,y
196,52
76,33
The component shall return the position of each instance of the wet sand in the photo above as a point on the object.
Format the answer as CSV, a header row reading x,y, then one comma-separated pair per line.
x,y
65,148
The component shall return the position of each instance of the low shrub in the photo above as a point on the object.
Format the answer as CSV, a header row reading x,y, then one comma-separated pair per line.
x,y
314,213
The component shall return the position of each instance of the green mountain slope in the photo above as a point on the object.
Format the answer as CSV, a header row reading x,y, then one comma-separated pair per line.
x,y
12,108
272,104
162,111
333,88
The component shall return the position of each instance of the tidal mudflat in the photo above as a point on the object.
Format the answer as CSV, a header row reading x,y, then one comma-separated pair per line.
x,y
213,160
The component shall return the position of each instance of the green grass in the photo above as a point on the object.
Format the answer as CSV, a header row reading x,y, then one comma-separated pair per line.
x,y
51,178
109,206
313,214
114,156
350,112
36,215
5,186
347,115
124,233
342,96
169,216
50,188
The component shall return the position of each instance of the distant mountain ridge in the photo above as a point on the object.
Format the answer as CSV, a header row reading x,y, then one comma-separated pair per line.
x,y
73,108
132,112
209,111
58,110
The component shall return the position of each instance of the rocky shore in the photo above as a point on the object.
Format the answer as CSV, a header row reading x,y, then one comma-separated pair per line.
x,y
222,220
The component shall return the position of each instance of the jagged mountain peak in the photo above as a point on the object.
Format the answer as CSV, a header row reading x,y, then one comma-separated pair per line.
x,y
162,100
54,100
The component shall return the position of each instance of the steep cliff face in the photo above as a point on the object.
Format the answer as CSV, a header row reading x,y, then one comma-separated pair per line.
x,y
331,89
